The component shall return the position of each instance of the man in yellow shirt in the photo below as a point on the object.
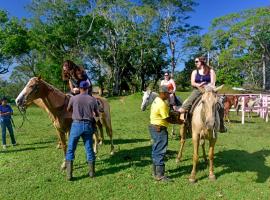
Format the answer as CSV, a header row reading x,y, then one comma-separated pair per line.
x,y
159,121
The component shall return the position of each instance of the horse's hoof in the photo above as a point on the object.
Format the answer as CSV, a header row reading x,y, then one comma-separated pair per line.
x,y
177,161
112,153
63,166
58,146
192,180
212,177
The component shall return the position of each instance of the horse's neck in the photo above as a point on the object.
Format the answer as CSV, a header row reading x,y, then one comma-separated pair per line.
x,y
40,103
53,101
154,95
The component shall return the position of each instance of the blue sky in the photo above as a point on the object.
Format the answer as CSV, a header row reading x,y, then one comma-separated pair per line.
x,y
204,13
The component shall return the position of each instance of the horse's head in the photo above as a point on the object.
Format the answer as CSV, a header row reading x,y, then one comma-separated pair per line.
x,y
147,99
33,90
235,101
209,106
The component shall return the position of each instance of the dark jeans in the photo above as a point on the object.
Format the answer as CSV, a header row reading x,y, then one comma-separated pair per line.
x,y
6,123
84,130
159,146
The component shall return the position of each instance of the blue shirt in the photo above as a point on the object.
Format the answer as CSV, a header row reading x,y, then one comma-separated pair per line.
x,y
5,109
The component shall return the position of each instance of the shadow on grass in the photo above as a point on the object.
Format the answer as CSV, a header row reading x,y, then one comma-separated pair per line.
x,y
126,141
243,161
232,161
138,157
15,149
235,121
41,142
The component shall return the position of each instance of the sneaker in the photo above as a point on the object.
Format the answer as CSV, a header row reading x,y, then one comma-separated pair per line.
x,y
4,146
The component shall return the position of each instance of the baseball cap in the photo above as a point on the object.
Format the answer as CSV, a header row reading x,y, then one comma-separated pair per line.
x,y
84,84
164,89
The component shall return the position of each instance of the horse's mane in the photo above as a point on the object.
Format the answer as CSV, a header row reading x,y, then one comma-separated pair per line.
x,y
52,87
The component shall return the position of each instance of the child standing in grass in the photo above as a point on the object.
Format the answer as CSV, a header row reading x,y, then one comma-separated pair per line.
x,y
5,118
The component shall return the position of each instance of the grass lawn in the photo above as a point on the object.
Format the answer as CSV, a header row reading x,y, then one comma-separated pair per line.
x,y
32,169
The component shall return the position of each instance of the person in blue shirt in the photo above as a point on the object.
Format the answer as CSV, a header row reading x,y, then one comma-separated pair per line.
x,y
5,118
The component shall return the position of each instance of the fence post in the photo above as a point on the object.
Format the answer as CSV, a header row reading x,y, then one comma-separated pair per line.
x,y
243,110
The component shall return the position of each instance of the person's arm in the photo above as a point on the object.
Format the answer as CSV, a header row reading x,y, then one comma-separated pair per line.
x,y
162,83
9,112
174,86
70,104
213,77
70,85
72,88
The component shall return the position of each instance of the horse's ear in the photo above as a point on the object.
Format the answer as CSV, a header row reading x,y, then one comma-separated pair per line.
x,y
218,88
39,77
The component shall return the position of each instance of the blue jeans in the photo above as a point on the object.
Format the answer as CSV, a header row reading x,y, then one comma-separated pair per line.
x,y
159,146
6,124
84,130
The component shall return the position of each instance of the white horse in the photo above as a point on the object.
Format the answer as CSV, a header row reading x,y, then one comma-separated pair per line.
x,y
148,98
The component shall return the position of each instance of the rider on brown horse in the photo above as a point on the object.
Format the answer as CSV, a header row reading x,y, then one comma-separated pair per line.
x,y
74,75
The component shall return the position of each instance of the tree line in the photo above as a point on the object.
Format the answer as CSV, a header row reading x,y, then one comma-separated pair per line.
x,y
127,44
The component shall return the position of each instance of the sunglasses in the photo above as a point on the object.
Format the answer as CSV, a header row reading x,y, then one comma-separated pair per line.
x,y
166,75
196,61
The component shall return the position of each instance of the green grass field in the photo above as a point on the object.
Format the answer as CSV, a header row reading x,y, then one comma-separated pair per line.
x,y
32,169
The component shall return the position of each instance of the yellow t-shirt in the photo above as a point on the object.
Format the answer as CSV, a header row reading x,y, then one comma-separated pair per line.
x,y
159,112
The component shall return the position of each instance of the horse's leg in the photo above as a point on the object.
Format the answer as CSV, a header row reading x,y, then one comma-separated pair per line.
x,y
195,141
212,143
183,130
204,154
62,137
100,136
108,126
172,133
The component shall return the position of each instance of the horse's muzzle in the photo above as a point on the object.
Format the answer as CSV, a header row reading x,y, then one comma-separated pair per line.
x,y
20,101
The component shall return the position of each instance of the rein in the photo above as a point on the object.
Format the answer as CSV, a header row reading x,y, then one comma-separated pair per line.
x,y
23,113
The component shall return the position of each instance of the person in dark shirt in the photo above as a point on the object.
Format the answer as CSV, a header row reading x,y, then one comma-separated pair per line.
x,y
5,118
84,109
203,75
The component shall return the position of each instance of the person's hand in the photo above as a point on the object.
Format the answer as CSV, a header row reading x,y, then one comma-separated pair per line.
x,y
76,90
201,84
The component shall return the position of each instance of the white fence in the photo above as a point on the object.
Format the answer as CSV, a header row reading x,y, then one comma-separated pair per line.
x,y
261,107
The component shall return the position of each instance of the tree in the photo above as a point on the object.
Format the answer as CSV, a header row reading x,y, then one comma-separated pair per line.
x,y
13,40
243,41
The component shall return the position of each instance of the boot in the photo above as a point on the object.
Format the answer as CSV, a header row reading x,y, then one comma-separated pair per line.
x,y
91,165
160,171
222,127
154,173
69,165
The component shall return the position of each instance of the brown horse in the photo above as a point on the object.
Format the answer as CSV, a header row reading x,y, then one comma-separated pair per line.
x,y
55,102
204,124
230,100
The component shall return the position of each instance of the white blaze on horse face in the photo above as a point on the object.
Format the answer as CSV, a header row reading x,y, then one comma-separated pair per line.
x,y
144,98
209,107
21,96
